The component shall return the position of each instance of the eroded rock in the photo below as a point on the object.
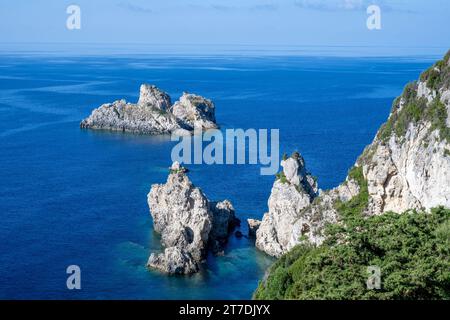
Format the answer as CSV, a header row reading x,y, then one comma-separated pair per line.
x,y
188,222
195,111
152,96
154,114
294,191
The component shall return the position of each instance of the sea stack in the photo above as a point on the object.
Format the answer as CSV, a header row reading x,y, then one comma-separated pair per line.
x,y
190,225
154,114
294,189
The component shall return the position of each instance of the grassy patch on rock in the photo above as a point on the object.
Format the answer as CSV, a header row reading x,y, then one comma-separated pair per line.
x,y
355,206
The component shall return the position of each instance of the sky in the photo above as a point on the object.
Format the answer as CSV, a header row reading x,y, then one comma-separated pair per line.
x,y
415,26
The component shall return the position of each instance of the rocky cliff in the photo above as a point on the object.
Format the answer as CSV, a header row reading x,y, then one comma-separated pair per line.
x,y
407,166
188,222
293,191
154,114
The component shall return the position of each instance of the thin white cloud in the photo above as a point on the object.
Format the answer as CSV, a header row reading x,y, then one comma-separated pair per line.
x,y
134,8
338,5
237,7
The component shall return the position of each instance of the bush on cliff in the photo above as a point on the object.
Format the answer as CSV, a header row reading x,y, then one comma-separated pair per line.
x,y
416,110
411,250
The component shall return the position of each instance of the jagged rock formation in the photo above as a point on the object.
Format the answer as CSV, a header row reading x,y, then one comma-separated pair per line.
x,y
150,95
188,222
154,114
195,112
294,190
407,166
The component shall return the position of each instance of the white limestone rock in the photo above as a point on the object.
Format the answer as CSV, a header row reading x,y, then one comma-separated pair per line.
x,y
153,114
188,222
253,226
151,95
413,173
286,202
195,112
133,118
290,168
178,207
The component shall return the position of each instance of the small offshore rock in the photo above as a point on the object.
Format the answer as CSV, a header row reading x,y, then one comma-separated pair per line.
x,y
173,261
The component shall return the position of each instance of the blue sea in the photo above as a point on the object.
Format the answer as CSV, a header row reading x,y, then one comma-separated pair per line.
x,y
78,197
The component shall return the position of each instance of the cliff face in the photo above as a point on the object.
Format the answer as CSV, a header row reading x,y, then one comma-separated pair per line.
x,y
188,222
407,166
293,191
154,114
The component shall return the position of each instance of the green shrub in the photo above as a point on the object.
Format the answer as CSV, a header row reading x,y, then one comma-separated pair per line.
x,y
437,115
176,171
356,205
281,176
412,250
447,153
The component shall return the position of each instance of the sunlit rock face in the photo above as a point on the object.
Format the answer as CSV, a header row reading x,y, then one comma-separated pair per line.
x,y
195,111
154,114
291,193
188,222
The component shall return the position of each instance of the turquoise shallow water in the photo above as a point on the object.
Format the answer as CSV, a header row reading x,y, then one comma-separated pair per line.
x,y
70,196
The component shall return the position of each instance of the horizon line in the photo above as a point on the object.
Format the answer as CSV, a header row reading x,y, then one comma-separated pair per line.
x,y
216,49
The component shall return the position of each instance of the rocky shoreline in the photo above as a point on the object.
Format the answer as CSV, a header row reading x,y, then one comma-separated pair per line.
x,y
154,114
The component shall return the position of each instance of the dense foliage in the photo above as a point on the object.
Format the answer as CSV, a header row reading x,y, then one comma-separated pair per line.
x,y
438,75
411,250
